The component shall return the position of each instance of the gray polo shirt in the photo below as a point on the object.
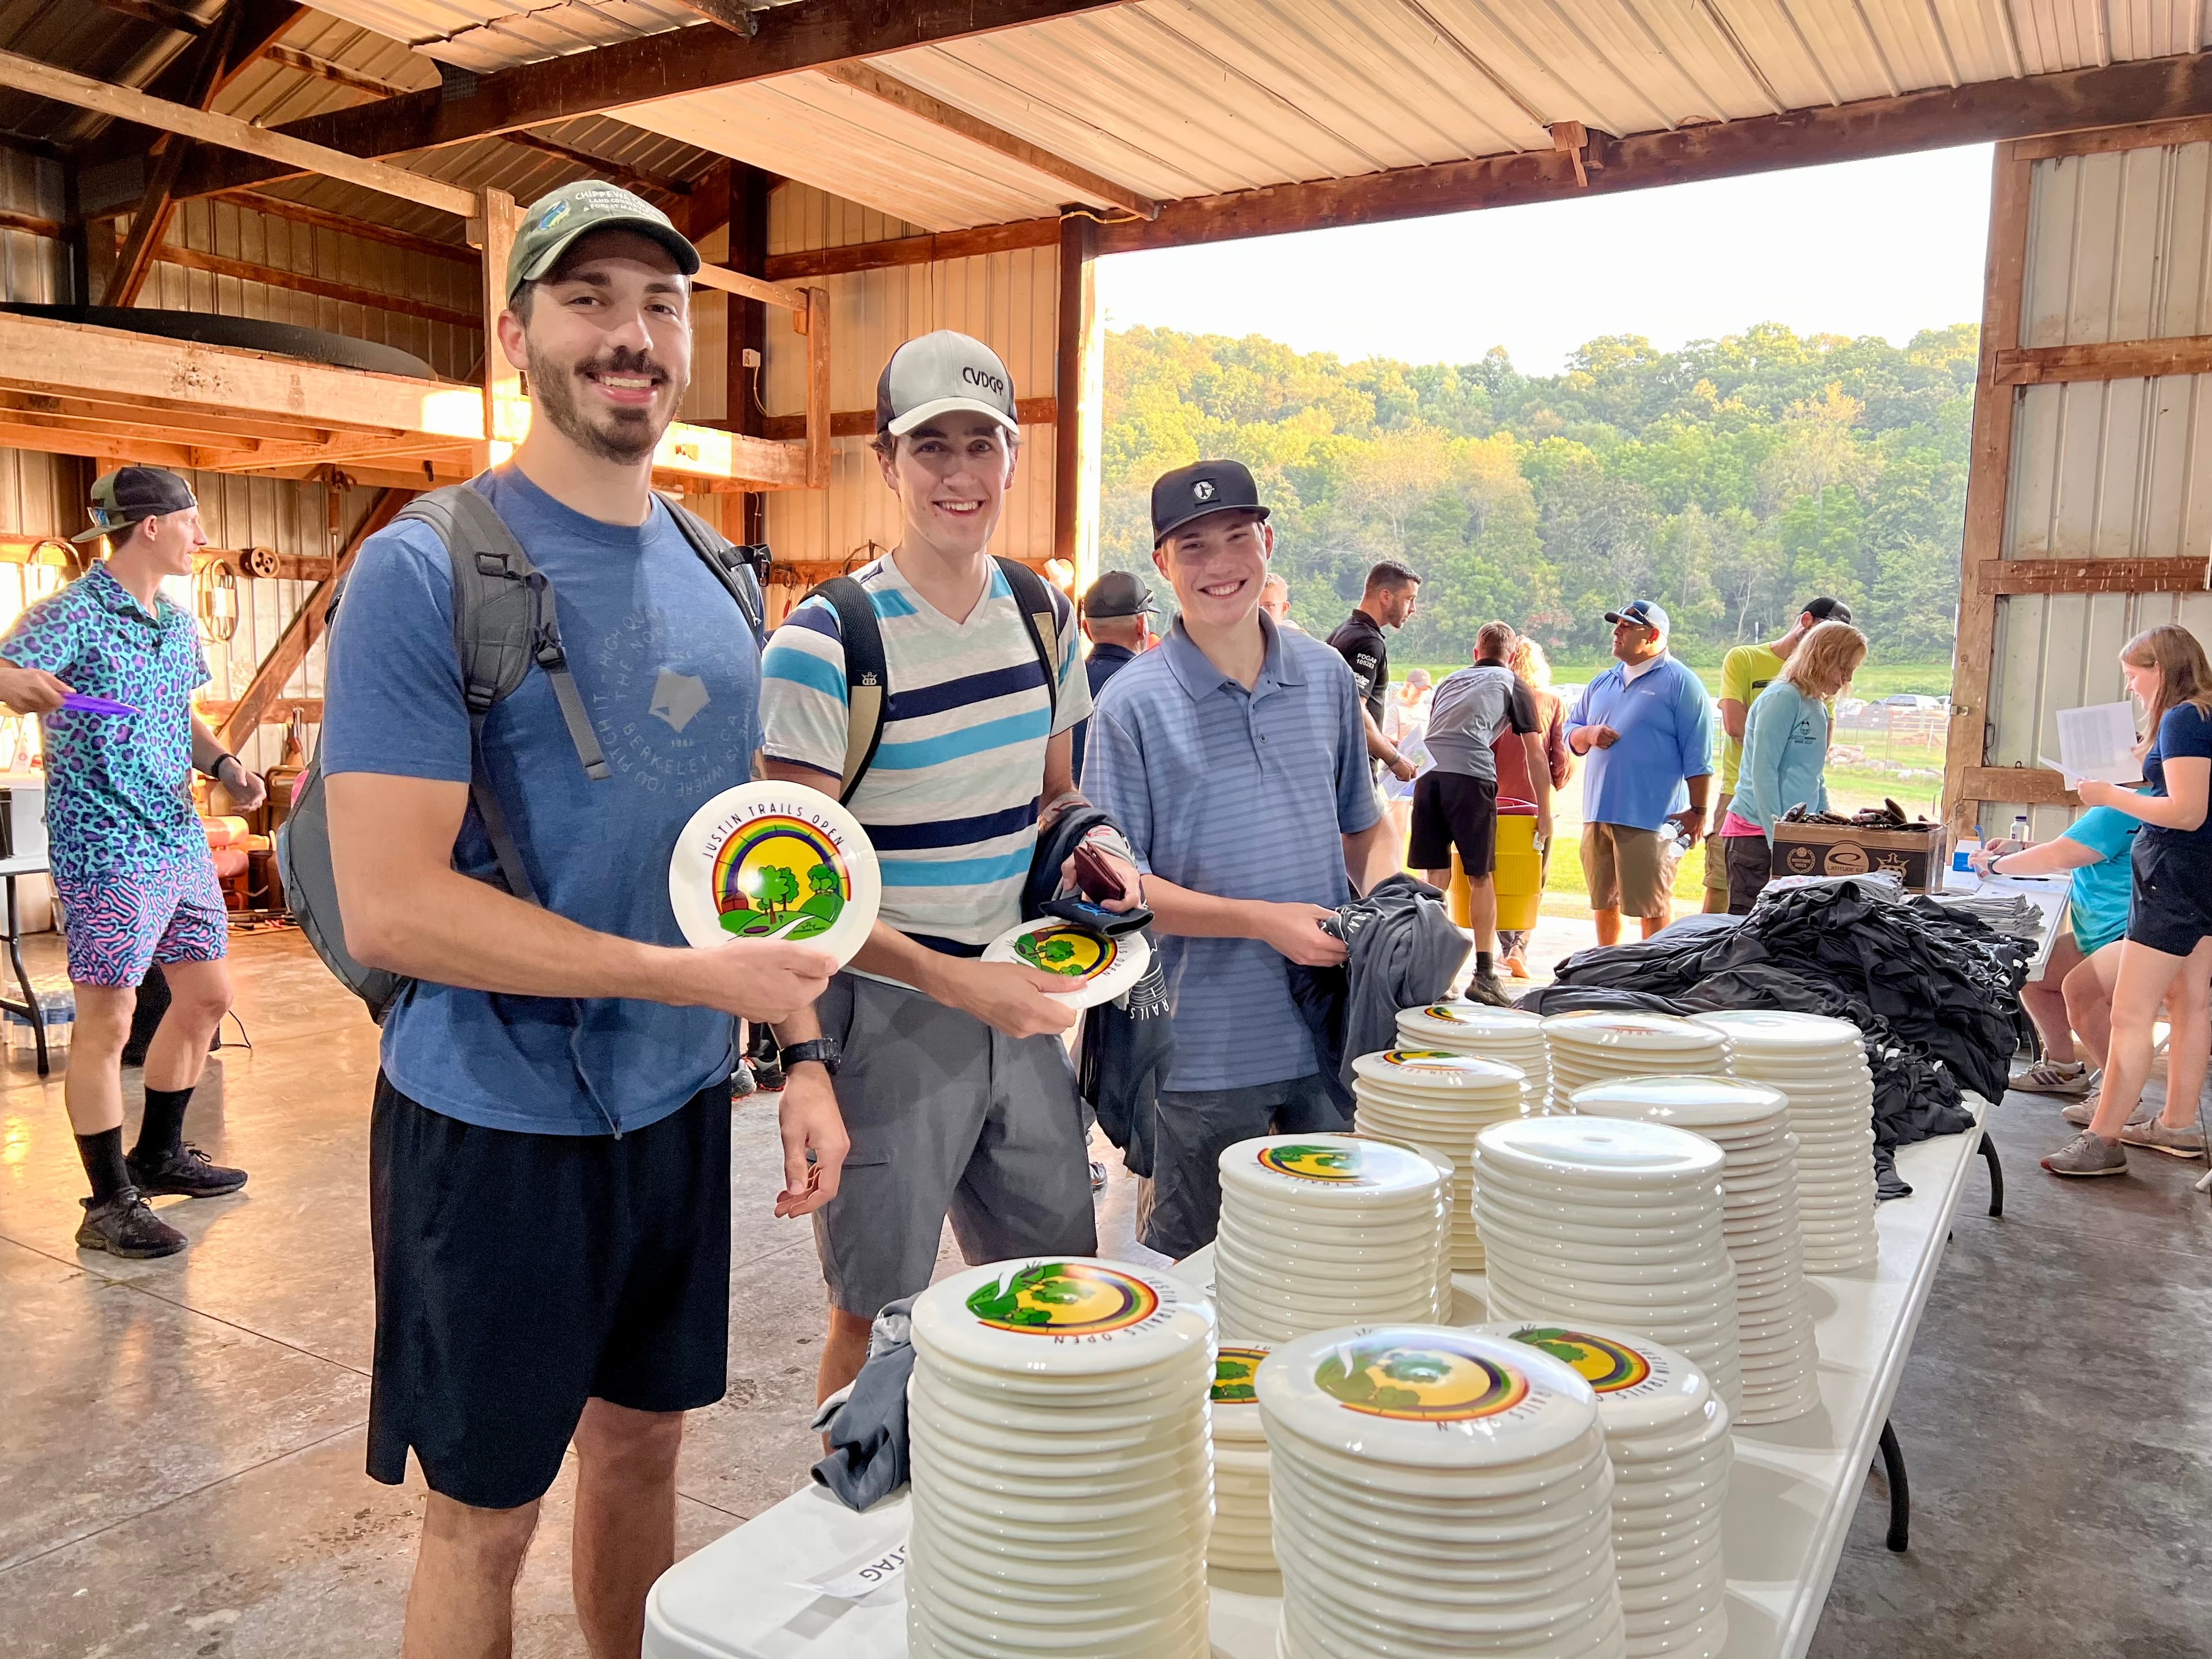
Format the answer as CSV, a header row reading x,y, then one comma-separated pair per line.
x,y
1241,794
1468,711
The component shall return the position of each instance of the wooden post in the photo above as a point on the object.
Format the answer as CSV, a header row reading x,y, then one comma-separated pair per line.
x,y
1076,379
748,328
818,444
1988,476
493,230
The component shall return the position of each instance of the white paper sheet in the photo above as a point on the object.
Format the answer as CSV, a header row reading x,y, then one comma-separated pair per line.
x,y
2098,741
864,1579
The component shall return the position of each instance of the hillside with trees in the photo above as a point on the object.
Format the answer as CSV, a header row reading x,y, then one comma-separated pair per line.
x,y
1728,480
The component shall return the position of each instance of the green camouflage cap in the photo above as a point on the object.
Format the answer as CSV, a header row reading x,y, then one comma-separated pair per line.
x,y
121,498
559,217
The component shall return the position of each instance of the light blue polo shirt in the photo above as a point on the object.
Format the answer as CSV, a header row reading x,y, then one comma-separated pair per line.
x,y
1666,725
1241,794
2098,905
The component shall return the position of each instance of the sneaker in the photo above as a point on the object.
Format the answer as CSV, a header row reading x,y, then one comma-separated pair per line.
x,y
2175,1143
2051,1076
767,1075
188,1171
126,1226
2084,1110
741,1082
1517,965
2088,1154
1485,987
1097,1177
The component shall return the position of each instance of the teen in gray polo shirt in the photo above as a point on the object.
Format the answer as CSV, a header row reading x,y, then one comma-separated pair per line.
x,y
1234,758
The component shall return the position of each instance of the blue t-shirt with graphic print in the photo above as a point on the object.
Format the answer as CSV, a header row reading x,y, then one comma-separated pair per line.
x,y
118,787
671,675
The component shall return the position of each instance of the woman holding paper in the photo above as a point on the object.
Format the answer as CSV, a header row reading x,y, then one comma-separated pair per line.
x,y
2168,955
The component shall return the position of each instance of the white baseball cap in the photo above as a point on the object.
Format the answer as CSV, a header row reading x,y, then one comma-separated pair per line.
x,y
943,374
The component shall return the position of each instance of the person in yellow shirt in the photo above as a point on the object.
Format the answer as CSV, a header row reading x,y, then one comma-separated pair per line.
x,y
1745,672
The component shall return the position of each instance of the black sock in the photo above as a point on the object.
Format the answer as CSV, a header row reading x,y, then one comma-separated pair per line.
x,y
161,1131
1483,964
103,1160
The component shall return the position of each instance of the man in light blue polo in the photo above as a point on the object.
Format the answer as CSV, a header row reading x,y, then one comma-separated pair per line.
x,y
1646,727
1234,758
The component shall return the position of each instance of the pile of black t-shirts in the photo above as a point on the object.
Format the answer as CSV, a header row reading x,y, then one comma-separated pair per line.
x,y
1933,990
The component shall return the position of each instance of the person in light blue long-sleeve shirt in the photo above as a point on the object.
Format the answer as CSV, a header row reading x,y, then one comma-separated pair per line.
x,y
1785,754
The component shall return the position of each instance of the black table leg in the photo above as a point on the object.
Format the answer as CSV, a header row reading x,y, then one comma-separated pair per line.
x,y
1997,1175
32,1009
1901,1494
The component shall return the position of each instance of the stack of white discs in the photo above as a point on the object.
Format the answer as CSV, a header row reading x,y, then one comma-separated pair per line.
x,y
1437,1493
1320,1231
1242,1540
1822,1065
1750,1123
1513,1035
1617,1223
1668,1435
1592,1047
1441,1100
1063,1478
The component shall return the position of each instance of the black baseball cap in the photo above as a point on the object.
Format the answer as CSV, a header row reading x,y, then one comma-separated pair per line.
x,y
1825,608
1644,614
121,498
1117,593
1191,492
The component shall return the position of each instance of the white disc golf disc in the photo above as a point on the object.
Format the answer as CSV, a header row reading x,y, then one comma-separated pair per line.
x,y
1097,969
774,860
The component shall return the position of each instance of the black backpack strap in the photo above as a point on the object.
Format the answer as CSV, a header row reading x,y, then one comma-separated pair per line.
x,y
714,551
867,676
1034,600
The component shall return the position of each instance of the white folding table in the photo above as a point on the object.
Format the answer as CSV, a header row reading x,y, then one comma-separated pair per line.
x,y
1790,1497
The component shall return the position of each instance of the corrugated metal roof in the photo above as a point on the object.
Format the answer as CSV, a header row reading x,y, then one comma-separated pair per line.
x,y
88,39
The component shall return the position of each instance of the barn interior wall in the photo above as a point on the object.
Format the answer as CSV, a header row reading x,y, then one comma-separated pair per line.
x,y
1008,301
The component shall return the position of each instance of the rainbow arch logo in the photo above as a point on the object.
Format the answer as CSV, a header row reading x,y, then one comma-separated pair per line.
x,y
780,877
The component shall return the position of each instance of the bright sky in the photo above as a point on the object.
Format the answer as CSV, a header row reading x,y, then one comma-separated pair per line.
x,y
1884,248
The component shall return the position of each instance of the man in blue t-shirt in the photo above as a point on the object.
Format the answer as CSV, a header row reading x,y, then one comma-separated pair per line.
x,y
549,1149
1647,725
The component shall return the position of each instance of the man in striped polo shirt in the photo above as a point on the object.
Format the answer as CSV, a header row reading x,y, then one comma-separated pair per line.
x,y
954,1084
1234,754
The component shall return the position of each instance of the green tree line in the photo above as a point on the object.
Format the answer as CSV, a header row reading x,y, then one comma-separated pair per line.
x,y
1728,480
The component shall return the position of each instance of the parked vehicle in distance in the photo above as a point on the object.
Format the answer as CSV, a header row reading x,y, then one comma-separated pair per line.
x,y
1909,700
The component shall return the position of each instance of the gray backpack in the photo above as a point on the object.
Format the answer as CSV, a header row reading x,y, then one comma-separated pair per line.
x,y
504,622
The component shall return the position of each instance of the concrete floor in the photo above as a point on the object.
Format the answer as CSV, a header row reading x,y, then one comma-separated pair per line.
x,y
181,1441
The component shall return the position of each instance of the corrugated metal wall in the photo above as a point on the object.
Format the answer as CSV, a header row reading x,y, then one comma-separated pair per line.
x,y
1008,301
2119,248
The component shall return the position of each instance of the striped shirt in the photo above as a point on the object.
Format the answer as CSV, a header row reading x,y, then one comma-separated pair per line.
x,y
950,800
1241,794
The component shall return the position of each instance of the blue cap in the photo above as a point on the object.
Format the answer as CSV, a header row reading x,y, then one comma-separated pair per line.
x,y
1644,614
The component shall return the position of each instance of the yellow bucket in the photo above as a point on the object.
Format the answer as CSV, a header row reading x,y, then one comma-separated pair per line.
x,y
1518,878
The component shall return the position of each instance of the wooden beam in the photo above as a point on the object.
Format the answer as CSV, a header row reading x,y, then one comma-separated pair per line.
x,y
27,75
299,282
786,295
59,440
276,711
2031,784
291,647
2117,360
125,412
736,15
337,73
818,388
1076,315
298,213
2102,141
260,23
861,422
805,34
746,209
493,230
133,262
648,183
2095,576
1091,188
915,250
160,15
11,220
1988,476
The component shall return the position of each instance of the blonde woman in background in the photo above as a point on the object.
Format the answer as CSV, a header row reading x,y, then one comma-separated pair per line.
x,y
1534,668
1405,723
1785,754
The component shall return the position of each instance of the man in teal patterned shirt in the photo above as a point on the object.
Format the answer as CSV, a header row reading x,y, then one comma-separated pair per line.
x,y
129,861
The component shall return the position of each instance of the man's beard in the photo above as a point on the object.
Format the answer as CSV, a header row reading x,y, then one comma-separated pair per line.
x,y
630,434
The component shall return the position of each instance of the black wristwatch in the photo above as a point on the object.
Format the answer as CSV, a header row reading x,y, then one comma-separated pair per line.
x,y
823,1049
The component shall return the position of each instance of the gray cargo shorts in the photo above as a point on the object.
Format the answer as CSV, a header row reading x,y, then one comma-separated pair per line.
x,y
1192,1129
945,1115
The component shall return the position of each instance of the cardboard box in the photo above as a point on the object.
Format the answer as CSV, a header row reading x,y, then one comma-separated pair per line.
x,y
1915,857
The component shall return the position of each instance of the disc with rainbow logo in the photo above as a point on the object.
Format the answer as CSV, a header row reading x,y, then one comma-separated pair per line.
x,y
774,860
1097,969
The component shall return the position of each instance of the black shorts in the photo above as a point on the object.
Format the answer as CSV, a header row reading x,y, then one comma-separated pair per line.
x,y
2171,908
519,1275
1453,810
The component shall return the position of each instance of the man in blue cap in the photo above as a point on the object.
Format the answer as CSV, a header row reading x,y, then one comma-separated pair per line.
x,y
1646,727
1233,757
